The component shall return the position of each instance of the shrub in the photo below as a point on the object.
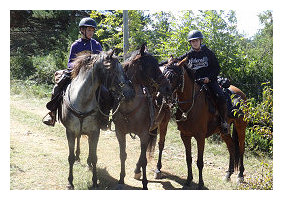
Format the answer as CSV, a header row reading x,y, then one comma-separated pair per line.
x,y
262,181
45,67
259,135
21,66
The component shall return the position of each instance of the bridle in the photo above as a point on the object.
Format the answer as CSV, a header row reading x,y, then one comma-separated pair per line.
x,y
180,87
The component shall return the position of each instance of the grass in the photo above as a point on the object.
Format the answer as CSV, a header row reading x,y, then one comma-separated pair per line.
x,y
38,156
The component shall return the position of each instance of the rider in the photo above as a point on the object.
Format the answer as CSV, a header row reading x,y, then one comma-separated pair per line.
x,y
87,27
207,68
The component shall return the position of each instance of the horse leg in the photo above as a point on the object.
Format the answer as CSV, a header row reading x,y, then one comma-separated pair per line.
x,y
71,158
78,150
123,155
187,143
144,164
162,134
231,149
137,171
93,141
240,131
200,145
161,147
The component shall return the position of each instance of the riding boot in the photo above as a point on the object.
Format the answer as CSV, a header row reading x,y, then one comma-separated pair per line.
x,y
221,104
56,97
229,106
50,118
223,116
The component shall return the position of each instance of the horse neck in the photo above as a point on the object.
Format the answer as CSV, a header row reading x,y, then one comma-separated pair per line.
x,y
82,91
188,91
129,106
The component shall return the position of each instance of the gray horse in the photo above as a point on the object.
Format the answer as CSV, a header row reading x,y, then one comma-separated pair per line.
x,y
134,116
80,110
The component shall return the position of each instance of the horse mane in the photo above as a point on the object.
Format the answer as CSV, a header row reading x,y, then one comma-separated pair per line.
x,y
189,70
173,64
85,61
131,58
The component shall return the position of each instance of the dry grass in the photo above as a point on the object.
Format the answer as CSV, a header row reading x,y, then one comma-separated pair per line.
x,y
38,157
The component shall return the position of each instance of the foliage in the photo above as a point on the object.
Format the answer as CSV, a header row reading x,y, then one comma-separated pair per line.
x,y
45,67
110,32
38,37
259,135
246,62
30,88
261,181
21,66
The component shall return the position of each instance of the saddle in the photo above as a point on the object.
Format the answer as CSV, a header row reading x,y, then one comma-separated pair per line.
x,y
231,98
62,80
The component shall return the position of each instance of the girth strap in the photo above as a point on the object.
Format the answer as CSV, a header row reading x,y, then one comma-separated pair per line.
x,y
77,113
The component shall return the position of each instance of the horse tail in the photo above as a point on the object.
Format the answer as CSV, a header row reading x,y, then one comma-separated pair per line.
x,y
235,139
151,144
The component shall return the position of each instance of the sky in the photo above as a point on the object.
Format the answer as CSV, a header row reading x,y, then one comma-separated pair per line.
x,y
248,21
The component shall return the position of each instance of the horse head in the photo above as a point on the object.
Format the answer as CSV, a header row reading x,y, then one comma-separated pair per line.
x,y
142,68
115,78
174,73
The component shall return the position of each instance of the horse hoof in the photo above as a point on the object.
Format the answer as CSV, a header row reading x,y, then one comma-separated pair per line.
x,y
70,187
240,180
226,179
157,174
89,168
200,187
120,186
137,176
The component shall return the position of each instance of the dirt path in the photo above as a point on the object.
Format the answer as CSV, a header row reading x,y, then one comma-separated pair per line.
x,y
38,157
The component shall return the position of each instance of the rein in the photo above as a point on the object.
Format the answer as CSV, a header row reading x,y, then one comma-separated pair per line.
x,y
77,113
194,95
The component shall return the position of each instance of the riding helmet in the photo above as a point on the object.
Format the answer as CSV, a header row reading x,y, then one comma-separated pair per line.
x,y
87,21
195,34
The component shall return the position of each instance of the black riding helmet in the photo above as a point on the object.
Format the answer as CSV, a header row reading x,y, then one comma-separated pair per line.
x,y
87,21
195,34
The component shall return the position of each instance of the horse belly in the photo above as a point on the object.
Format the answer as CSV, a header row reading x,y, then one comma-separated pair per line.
x,y
134,124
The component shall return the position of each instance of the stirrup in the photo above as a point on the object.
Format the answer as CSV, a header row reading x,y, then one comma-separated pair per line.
x,y
50,121
224,128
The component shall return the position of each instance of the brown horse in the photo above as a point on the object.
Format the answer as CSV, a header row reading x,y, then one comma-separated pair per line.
x,y
195,120
134,116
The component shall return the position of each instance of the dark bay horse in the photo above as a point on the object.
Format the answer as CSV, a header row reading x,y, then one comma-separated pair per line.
x,y
134,116
195,120
79,113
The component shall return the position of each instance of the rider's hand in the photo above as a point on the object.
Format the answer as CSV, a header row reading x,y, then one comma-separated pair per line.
x,y
206,80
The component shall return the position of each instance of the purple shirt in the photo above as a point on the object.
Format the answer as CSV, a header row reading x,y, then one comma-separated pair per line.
x,y
83,45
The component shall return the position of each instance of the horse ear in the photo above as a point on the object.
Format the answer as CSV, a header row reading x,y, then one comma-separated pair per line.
x,y
143,48
126,67
110,54
182,61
